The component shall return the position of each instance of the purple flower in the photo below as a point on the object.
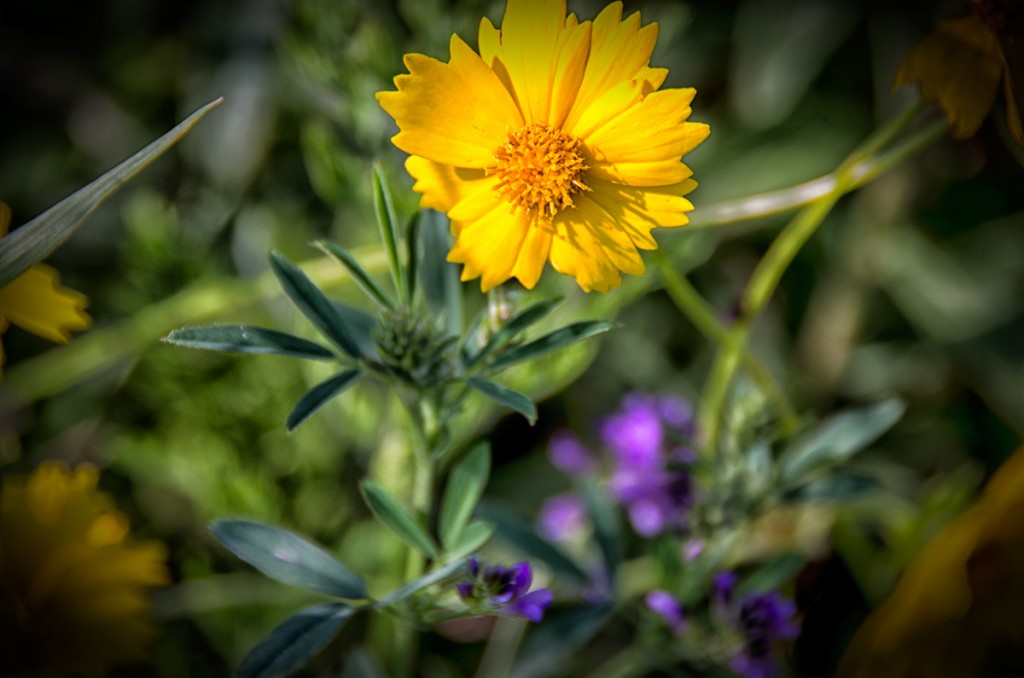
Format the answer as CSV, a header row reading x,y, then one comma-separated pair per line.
x,y
562,517
569,455
634,434
668,608
761,620
677,413
495,589
722,587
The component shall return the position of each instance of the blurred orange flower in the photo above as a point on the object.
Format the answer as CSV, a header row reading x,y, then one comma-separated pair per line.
x,y
958,605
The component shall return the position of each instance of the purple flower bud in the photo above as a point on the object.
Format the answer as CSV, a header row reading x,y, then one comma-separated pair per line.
x,y
668,608
532,605
676,412
569,455
562,517
494,589
692,549
634,434
723,586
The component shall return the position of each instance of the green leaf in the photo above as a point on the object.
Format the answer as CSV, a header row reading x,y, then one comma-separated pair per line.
x,y
390,512
472,538
518,533
607,529
317,397
838,438
449,571
464,489
309,299
295,641
507,397
517,324
771,575
248,339
287,557
358,273
439,277
32,242
388,228
560,637
412,248
361,327
835,487
560,338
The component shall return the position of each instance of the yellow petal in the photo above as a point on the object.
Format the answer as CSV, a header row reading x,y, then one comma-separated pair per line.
x,y
653,173
590,246
958,67
36,302
638,210
653,129
455,113
530,39
619,50
443,186
488,238
533,254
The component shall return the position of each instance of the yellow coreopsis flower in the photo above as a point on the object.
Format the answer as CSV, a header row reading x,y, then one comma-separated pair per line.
x,y
36,302
554,143
960,65
958,604
73,584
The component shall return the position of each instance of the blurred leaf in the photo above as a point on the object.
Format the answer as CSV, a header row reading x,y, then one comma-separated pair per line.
x,y
248,339
440,278
517,324
771,575
507,397
297,640
474,536
562,634
317,397
359,274
314,305
287,557
518,533
388,228
607,529
35,240
835,487
449,571
465,486
390,512
560,338
412,249
838,438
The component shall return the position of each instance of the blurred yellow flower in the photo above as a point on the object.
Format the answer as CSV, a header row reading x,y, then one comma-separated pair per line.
x,y
959,66
73,584
959,603
35,301
553,143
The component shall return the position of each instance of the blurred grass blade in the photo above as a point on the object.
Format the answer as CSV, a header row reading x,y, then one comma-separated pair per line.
x,y
359,274
607,530
388,229
439,277
838,438
472,538
35,240
314,304
517,324
465,486
562,635
390,512
294,642
287,557
560,338
317,397
412,251
507,397
515,531
248,339
771,575
449,571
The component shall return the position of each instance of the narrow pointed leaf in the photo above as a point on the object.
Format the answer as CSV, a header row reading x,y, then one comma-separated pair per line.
x,y
507,397
560,338
607,529
412,251
472,538
32,242
388,228
317,397
465,486
390,512
358,273
518,533
517,324
309,299
288,558
294,642
838,438
438,276
248,339
449,571
361,326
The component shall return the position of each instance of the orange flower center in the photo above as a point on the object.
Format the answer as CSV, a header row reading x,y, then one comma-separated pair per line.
x,y
540,169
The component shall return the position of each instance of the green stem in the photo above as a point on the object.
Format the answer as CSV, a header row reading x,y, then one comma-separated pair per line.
x,y
855,170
